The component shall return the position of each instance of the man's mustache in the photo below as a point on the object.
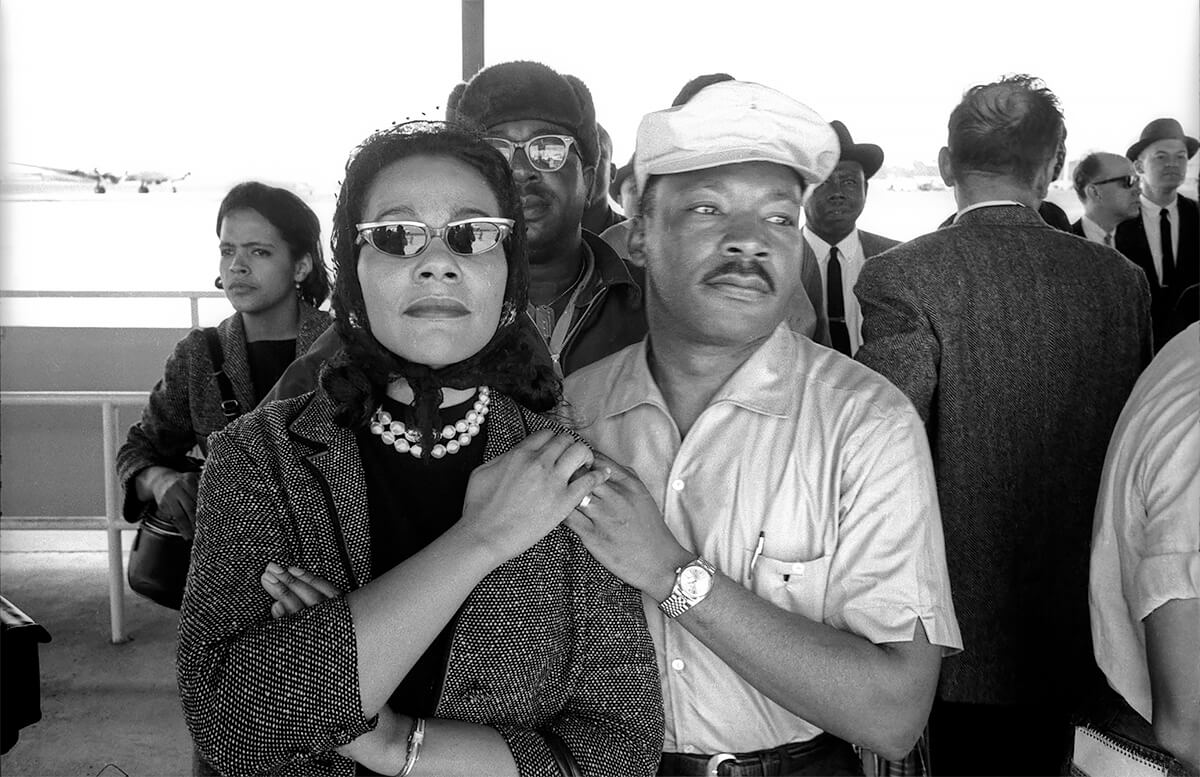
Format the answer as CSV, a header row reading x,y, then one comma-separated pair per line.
x,y
741,268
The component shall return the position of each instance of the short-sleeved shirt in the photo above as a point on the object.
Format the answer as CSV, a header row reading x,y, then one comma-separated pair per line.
x,y
824,458
1146,536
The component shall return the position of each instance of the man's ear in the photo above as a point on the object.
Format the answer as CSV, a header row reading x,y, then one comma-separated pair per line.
x,y
637,241
945,167
1138,166
589,183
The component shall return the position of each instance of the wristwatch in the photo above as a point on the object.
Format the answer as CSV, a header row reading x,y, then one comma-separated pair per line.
x,y
693,581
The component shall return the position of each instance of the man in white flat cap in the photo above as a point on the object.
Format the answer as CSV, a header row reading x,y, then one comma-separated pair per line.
x,y
777,505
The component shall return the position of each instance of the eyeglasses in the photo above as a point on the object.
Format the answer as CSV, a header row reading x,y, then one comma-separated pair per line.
x,y
406,239
1126,181
545,152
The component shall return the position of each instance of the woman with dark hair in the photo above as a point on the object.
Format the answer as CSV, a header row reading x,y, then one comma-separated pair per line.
x,y
273,273
380,576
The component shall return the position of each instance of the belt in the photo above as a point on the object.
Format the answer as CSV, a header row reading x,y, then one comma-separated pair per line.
x,y
830,751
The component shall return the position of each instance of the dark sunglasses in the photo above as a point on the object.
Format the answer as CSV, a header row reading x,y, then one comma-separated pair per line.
x,y
1126,181
546,153
405,239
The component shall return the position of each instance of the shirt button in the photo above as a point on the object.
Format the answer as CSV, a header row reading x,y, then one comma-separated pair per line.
x,y
678,665
677,485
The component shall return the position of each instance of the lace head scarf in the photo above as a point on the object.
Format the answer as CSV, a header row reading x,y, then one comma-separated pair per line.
x,y
358,376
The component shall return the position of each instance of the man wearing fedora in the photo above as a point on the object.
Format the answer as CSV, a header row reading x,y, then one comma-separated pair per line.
x,y
834,243
1164,239
776,504
599,214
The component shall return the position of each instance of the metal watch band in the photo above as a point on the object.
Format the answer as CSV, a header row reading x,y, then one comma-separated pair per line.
x,y
678,603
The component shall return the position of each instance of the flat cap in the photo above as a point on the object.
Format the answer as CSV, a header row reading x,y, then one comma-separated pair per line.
x,y
731,122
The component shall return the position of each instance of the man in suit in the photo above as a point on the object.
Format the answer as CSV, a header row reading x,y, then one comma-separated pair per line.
x,y
1108,187
836,246
1164,239
1018,344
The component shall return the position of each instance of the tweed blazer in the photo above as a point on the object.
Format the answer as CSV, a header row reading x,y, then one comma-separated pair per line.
x,y
185,406
1018,344
1131,241
549,639
810,277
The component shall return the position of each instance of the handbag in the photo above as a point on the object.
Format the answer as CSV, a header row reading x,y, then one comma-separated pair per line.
x,y
159,560
1099,753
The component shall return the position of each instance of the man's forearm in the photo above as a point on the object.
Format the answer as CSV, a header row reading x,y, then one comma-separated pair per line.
x,y
877,696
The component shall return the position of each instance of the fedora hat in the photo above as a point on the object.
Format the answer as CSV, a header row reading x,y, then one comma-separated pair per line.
x,y
623,172
1162,129
869,155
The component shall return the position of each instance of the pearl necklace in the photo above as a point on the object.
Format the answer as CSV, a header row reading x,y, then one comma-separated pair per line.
x,y
395,434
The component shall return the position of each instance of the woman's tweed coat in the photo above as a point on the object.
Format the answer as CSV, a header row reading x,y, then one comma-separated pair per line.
x,y
185,406
549,639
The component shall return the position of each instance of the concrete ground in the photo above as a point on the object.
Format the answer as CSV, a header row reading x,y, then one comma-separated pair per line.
x,y
106,709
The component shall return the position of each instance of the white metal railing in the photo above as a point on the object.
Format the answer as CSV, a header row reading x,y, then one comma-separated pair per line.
x,y
193,297
111,521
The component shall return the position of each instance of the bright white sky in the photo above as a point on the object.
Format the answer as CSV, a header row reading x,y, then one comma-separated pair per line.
x,y
232,89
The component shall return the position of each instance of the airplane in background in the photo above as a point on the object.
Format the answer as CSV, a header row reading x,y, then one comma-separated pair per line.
x,y
145,178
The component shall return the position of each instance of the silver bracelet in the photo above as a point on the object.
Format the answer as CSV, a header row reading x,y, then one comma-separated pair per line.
x,y
416,735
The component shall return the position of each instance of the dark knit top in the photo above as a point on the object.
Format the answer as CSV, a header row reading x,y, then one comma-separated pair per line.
x,y
411,503
268,360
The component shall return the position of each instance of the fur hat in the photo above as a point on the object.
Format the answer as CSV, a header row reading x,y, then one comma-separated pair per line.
x,y
522,91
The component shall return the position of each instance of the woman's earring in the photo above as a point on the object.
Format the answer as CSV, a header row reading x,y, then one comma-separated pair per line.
x,y
218,283
352,319
508,314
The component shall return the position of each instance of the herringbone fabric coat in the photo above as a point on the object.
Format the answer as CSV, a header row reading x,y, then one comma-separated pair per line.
x,y
185,406
1019,345
548,639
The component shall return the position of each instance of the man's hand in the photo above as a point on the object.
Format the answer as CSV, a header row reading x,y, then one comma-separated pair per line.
x,y
623,528
175,494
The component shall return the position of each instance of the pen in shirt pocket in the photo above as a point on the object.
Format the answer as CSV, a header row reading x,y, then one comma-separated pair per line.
x,y
758,549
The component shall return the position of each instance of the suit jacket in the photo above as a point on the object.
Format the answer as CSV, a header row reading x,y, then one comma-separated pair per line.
x,y
1018,344
549,640
1131,241
185,406
1077,228
810,277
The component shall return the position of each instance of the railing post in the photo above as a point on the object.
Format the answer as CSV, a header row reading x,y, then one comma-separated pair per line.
x,y
112,511
195,305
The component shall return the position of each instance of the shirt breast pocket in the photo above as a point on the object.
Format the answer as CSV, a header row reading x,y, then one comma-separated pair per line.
x,y
796,586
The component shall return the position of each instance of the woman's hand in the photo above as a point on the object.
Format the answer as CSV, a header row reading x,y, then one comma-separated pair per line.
x,y
516,499
294,588
623,528
175,495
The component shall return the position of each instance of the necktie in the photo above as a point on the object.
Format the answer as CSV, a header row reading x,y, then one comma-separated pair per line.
x,y
1108,239
1168,256
835,305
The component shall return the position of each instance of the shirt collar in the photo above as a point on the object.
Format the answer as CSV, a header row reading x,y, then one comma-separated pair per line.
x,y
850,245
765,383
1094,231
1149,206
987,204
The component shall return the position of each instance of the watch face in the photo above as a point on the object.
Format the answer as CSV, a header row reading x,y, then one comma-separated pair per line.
x,y
694,581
